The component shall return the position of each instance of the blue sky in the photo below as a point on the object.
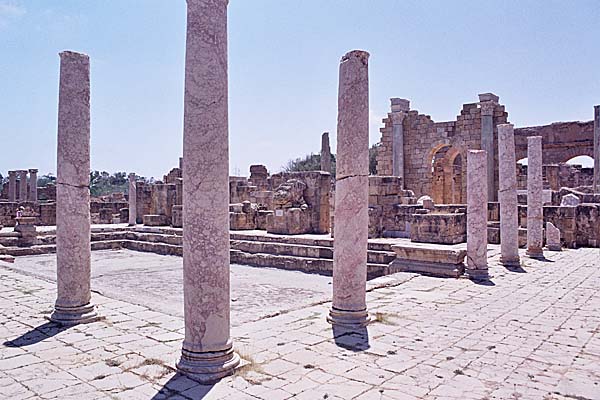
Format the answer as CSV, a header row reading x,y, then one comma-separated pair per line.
x,y
540,57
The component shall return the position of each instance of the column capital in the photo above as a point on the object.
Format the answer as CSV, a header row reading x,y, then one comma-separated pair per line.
x,y
131,176
12,173
487,107
33,170
399,104
397,117
597,110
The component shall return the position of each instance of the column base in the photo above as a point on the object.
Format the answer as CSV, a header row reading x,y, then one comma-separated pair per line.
x,y
477,274
536,253
510,261
208,367
554,248
74,315
348,319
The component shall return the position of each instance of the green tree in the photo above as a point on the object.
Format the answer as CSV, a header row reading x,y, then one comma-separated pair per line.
x,y
312,162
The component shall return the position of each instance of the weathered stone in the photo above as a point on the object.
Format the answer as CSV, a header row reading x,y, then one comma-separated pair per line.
x,y
351,229
507,196
73,254
429,259
12,185
207,353
399,109
325,153
596,153
23,185
535,218
488,106
26,228
552,237
570,200
477,267
289,194
421,200
33,193
177,216
132,200
443,228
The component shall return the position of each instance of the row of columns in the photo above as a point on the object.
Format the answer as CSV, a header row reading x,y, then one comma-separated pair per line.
x,y
24,194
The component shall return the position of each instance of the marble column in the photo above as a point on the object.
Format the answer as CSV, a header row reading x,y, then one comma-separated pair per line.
x,y
325,153
349,307
597,149
535,211
132,200
507,196
33,195
73,254
12,185
23,185
488,102
207,353
477,203
399,109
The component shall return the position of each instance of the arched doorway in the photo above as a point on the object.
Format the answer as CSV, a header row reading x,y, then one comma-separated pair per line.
x,y
447,184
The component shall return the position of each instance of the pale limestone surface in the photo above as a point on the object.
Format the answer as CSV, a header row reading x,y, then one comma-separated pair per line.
x,y
477,266
488,104
507,196
207,348
351,229
33,195
535,218
552,237
73,192
23,185
132,199
325,153
569,200
12,185
399,109
532,335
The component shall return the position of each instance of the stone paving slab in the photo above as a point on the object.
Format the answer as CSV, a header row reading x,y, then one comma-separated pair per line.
x,y
532,334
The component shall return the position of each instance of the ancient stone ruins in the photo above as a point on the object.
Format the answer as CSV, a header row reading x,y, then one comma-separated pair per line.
x,y
448,201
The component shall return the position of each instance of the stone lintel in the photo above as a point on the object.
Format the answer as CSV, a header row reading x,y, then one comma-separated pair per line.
x,y
399,104
483,97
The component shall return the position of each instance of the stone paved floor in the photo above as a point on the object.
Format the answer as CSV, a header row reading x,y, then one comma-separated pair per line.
x,y
534,334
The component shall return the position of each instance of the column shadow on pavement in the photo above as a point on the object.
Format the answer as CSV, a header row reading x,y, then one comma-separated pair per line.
x,y
353,339
180,383
37,334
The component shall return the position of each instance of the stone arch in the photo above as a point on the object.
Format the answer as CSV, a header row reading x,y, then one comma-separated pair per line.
x,y
447,165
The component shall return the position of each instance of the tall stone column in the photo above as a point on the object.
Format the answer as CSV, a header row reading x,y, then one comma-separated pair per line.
x,y
207,352
597,148
535,210
23,185
33,195
351,230
325,153
488,102
73,254
132,200
12,185
477,203
507,196
399,109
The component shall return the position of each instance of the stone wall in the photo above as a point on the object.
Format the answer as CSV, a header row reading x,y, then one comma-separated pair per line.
x,y
557,176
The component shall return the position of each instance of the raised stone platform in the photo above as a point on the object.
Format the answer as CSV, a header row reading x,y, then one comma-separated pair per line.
x,y
430,259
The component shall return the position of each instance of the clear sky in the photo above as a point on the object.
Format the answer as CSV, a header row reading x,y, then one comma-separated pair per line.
x,y
541,57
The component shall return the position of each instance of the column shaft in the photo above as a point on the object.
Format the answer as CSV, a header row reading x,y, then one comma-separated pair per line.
x,y
23,185
73,264
12,185
487,144
33,196
132,200
477,202
325,153
535,217
507,196
352,193
596,149
207,352
398,147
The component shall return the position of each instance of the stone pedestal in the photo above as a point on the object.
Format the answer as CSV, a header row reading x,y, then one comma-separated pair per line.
x,y
597,149
23,185
507,196
399,109
12,185
73,252
132,200
28,234
535,218
351,230
552,237
33,196
477,267
207,354
325,153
